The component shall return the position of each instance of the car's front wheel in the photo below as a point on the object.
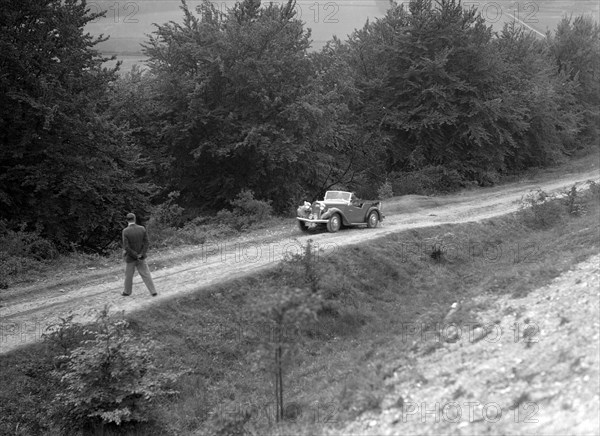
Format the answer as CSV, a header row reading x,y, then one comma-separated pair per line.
x,y
372,220
334,223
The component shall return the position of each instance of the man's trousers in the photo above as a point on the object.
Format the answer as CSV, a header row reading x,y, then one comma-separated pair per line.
x,y
144,271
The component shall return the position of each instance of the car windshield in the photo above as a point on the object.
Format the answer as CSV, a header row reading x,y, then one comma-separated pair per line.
x,y
337,195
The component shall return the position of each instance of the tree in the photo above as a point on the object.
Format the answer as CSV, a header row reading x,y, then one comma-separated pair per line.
x,y
67,169
576,49
135,103
337,146
441,91
239,118
443,94
544,96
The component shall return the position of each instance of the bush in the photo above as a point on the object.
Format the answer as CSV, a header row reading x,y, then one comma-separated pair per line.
x,y
539,210
594,189
169,213
167,229
11,266
247,211
246,204
385,190
27,244
22,251
487,178
64,337
427,181
109,378
572,201
189,234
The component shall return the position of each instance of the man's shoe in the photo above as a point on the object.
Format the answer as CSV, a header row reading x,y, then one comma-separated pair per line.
x,y
154,295
125,295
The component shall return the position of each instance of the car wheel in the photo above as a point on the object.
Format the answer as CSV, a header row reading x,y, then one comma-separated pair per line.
x,y
334,223
303,226
372,220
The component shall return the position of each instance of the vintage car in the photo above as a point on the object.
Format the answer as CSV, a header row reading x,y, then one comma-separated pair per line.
x,y
337,209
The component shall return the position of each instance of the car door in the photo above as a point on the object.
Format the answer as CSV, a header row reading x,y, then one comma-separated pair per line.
x,y
356,210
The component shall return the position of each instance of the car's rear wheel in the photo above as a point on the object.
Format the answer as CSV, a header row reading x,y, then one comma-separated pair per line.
x,y
372,220
334,223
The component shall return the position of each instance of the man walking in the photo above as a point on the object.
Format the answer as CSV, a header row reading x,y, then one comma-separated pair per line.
x,y
135,246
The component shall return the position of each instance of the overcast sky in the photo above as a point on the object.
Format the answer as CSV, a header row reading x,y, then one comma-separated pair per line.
x,y
127,22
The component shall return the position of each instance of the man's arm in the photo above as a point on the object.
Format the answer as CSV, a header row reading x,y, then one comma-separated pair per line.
x,y
130,251
145,245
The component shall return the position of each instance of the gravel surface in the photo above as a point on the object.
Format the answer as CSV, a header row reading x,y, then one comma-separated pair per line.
x,y
530,367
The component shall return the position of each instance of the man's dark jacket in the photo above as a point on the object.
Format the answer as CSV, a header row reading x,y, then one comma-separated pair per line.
x,y
135,243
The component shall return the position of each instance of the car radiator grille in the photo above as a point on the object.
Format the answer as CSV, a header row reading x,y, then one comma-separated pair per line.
x,y
316,213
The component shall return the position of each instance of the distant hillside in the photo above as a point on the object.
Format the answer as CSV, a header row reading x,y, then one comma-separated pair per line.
x,y
128,22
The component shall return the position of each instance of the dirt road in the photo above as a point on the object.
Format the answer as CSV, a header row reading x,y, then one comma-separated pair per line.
x,y
27,311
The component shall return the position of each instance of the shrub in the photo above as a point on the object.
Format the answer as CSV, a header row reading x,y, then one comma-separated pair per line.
x,y
22,251
169,213
31,245
573,202
385,190
594,189
539,209
246,204
189,234
247,211
167,228
63,337
429,180
308,266
11,266
109,378
487,178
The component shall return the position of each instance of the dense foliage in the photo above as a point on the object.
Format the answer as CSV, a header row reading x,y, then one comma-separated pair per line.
x,y
242,109
425,99
444,91
67,170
